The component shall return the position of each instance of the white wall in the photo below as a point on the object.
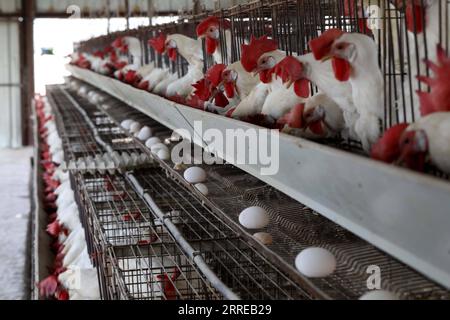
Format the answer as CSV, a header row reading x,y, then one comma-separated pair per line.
x,y
10,106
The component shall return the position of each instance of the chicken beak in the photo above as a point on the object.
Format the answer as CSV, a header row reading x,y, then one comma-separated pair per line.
x,y
257,71
289,84
326,58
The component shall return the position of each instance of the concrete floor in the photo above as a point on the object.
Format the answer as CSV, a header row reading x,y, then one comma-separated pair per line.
x,y
15,173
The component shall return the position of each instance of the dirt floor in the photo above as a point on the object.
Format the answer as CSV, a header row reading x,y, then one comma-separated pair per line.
x,y
15,170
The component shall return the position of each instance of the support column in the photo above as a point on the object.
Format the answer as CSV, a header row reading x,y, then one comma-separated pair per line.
x,y
27,66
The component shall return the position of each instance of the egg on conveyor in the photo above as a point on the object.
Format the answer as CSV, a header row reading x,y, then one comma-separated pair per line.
x,y
202,188
157,147
379,295
315,262
254,218
126,124
144,134
152,141
135,127
163,154
195,175
176,137
263,237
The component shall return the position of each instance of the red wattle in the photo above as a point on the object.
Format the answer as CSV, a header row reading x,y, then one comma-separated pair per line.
x,y
316,128
229,89
342,69
211,45
414,13
144,85
265,76
221,100
301,88
172,52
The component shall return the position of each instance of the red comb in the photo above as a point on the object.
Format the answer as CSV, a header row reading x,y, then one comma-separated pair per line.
x,y
118,43
253,51
211,21
321,46
438,99
414,14
202,90
387,149
289,69
159,43
48,286
214,74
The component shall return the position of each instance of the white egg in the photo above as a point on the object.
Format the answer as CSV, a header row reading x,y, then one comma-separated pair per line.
x,y
379,295
264,237
202,188
254,218
315,262
152,141
144,134
158,146
163,154
126,124
195,175
135,127
176,137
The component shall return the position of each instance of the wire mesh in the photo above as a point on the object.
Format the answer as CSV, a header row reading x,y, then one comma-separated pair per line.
x,y
294,228
135,255
402,43
142,260
238,264
123,229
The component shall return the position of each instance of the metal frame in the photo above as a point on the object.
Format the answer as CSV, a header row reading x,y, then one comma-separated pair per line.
x,y
353,191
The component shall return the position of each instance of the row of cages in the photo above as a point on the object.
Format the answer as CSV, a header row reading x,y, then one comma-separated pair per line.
x,y
136,256
403,44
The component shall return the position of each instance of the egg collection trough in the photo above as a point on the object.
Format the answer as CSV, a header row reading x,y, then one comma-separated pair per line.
x,y
152,235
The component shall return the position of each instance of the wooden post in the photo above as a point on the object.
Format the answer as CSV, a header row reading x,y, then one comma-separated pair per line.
x,y
150,11
27,67
127,12
108,15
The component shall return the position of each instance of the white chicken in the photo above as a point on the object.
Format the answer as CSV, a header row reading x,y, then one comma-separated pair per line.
x,y
412,145
237,85
355,59
320,117
81,283
300,70
209,29
191,50
428,137
260,56
432,28
69,217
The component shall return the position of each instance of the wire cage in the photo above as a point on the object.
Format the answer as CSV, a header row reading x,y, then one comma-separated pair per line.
x,y
406,36
237,263
402,43
138,256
